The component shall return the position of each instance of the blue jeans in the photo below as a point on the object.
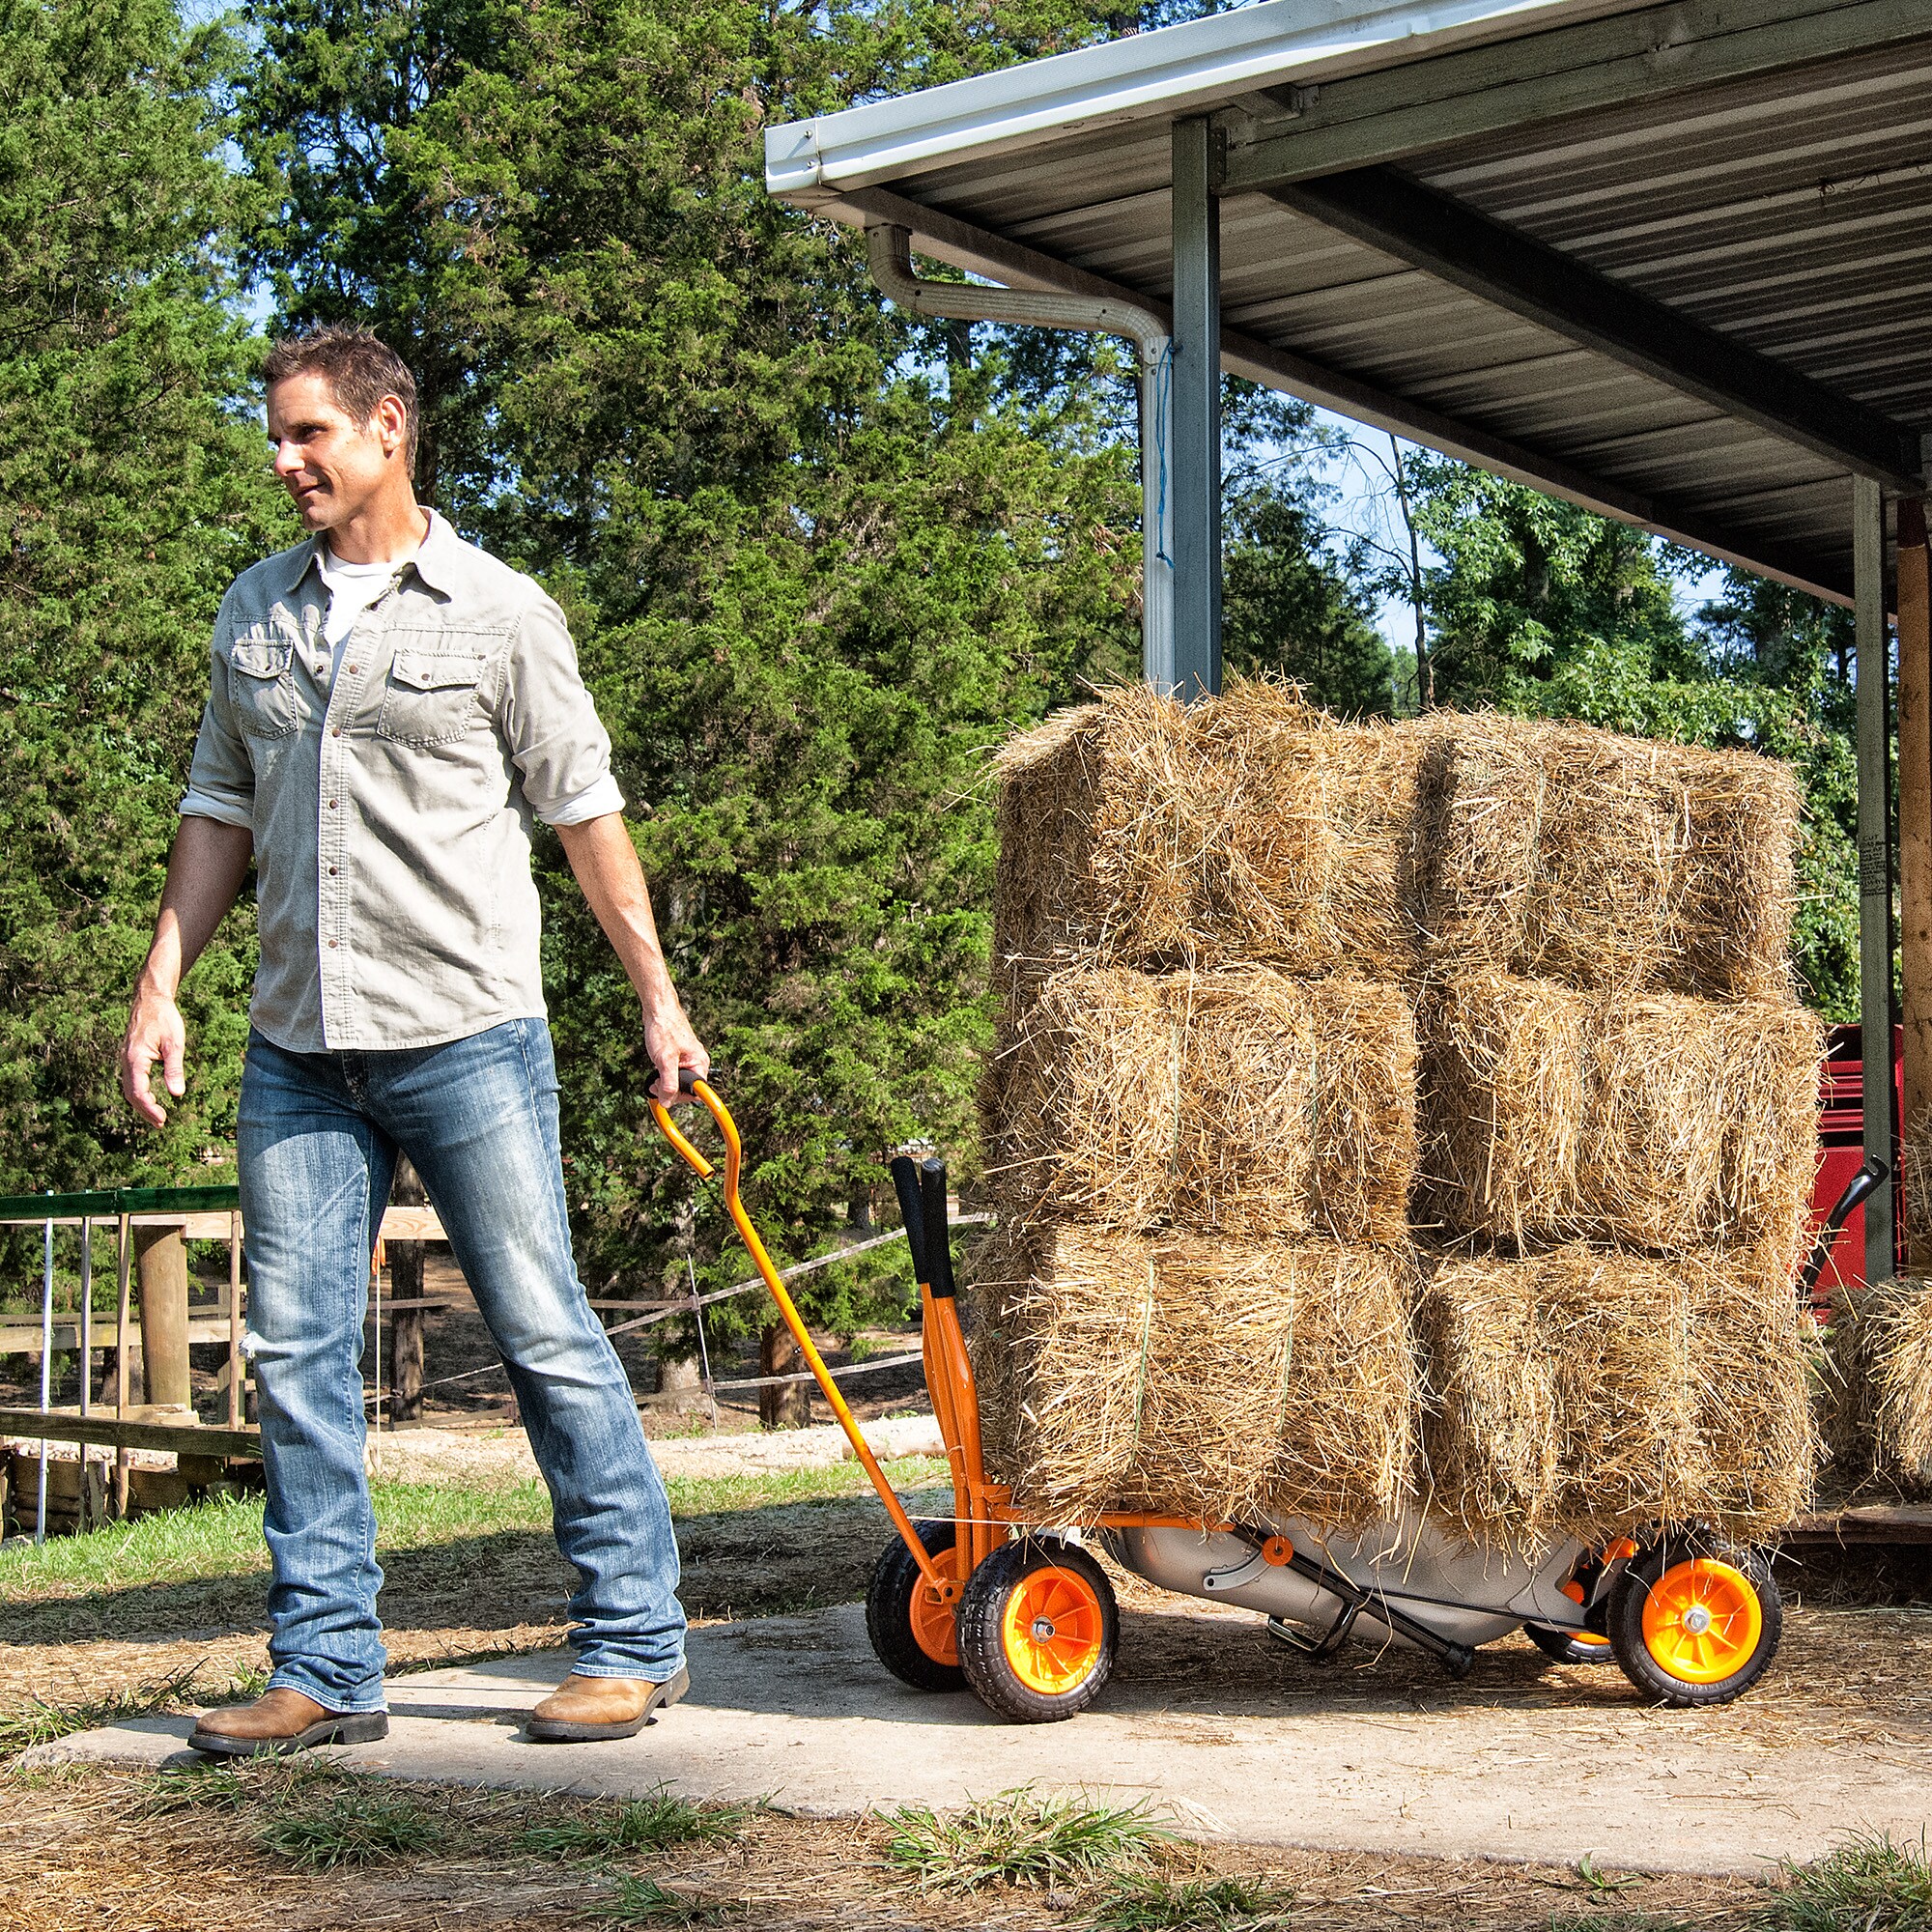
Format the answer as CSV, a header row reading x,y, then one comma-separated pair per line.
x,y
319,1137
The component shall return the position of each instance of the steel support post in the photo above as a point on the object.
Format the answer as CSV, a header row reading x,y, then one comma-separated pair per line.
x,y
1874,702
1197,412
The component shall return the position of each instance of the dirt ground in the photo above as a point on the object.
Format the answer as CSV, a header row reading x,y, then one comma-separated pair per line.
x,y
77,1854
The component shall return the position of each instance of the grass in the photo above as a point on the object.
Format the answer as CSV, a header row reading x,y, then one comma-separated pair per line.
x,y
322,1818
222,1537
1022,1837
1212,1904
644,1901
652,1823
40,1724
1868,1884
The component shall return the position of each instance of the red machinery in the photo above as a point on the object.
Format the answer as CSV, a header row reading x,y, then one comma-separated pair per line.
x,y
1841,1091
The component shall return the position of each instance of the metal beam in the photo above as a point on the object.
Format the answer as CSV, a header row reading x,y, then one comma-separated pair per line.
x,y
1632,58
1455,243
1874,718
1196,412
981,251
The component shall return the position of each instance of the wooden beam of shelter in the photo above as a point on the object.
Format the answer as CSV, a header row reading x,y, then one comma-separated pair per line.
x,y
1458,245
1397,114
1915,851
981,251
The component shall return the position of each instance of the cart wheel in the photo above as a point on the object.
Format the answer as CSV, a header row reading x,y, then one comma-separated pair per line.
x,y
1692,1622
912,1634
1036,1631
1563,1646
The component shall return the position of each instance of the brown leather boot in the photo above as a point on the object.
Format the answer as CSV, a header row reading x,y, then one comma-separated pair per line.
x,y
283,1721
584,1710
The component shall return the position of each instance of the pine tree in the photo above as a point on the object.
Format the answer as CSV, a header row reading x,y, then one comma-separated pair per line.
x,y
132,487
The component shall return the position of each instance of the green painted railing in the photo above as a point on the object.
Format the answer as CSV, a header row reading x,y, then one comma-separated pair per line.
x,y
102,1203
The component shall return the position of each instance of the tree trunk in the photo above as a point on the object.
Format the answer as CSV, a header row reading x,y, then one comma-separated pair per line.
x,y
788,1406
406,1284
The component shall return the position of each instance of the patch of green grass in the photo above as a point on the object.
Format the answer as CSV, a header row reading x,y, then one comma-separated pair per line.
x,y
1215,1905
644,1901
652,1823
327,1818
1868,1884
1022,1837
42,1723
215,1783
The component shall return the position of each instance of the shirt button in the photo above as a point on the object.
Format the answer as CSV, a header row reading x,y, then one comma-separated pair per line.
x,y
331,946
337,732
355,666
331,805
331,874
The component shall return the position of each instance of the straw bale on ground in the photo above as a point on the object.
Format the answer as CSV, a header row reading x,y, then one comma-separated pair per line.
x,y
1228,1381
1879,1399
1549,1114
1562,852
1252,830
1243,1102
1589,1393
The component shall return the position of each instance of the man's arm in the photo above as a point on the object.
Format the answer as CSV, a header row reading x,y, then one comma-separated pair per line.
x,y
205,869
605,864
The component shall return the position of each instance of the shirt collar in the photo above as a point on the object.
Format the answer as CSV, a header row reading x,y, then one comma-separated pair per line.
x,y
436,562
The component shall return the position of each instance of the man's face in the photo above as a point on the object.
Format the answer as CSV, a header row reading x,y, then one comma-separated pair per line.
x,y
332,466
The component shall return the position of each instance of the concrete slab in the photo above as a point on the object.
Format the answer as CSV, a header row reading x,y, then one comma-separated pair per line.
x,y
796,1711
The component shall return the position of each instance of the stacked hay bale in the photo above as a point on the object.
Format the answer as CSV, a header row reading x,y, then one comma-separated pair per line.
x,y
1266,977
1199,1118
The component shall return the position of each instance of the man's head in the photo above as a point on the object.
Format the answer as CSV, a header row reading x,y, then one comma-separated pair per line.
x,y
342,418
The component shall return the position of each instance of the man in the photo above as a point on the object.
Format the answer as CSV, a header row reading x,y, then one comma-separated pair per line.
x,y
390,706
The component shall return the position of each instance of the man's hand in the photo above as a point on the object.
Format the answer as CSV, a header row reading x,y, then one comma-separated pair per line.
x,y
154,1032
605,864
672,1046
205,869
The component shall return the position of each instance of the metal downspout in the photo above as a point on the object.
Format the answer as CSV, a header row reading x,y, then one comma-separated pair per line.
x,y
890,248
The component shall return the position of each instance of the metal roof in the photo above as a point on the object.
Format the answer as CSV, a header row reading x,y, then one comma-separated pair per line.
x,y
1673,261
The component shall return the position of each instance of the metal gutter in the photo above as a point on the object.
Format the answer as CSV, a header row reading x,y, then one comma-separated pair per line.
x,y
1195,65
888,247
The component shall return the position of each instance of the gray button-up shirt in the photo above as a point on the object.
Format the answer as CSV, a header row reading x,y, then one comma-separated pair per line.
x,y
391,804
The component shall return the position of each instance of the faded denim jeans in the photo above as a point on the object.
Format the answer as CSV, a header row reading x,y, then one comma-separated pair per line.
x,y
319,1137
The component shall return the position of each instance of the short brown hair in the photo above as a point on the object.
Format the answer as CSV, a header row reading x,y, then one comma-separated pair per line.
x,y
359,370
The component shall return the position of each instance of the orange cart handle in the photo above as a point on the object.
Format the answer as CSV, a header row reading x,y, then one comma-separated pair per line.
x,y
734,1159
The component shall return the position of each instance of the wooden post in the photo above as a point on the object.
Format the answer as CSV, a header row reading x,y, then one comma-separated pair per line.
x,y
124,1343
788,1405
1914,853
160,1257
406,1285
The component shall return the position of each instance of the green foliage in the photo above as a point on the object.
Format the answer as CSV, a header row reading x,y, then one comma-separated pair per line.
x,y
644,1901
812,582
1228,1904
1022,1837
327,1818
130,491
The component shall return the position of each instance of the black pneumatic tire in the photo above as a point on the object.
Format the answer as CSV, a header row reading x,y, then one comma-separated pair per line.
x,y
1662,1570
1063,1620
889,1607
1563,1646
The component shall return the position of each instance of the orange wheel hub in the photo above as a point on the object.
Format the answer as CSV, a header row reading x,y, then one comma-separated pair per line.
x,y
1702,1621
935,1626
1052,1630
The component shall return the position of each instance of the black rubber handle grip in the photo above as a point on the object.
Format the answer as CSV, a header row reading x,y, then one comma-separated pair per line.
x,y
687,1083
905,1182
938,1241
1859,1189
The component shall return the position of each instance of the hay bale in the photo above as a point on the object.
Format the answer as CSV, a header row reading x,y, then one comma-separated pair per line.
x,y
1249,830
1232,1382
1588,1393
1243,1102
1562,852
1879,1402
1551,1114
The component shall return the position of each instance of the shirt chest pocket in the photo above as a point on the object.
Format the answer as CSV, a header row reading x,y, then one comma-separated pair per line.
x,y
431,697
262,689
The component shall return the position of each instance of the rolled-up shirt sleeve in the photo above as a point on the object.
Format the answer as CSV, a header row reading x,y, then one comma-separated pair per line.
x,y
222,780
556,739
